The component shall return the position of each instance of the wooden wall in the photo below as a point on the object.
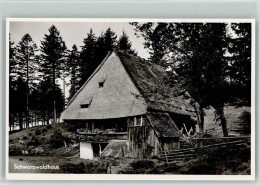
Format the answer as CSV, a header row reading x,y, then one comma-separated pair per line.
x,y
141,138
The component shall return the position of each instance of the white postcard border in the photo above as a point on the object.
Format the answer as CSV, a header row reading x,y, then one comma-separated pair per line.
x,y
41,176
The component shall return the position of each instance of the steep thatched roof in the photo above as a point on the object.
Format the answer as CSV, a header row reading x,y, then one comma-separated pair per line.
x,y
151,80
132,87
163,125
117,98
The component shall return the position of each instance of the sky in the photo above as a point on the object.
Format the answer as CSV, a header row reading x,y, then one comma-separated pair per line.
x,y
75,32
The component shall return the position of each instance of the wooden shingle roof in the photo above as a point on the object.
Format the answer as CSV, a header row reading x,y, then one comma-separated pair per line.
x,y
163,125
151,80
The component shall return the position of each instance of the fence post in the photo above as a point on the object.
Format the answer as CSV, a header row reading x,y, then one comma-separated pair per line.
x,y
166,157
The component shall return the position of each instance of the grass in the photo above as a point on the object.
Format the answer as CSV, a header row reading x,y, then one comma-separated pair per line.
x,y
216,161
232,114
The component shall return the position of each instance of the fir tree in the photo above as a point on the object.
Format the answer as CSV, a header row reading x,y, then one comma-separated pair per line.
x,y
110,40
53,55
124,43
26,58
195,52
240,61
74,67
87,57
100,51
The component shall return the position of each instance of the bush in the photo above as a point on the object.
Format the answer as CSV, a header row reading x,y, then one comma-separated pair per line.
x,y
57,140
156,157
49,126
218,161
245,118
73,168
44,130
30,134
142,164
148,152
38,132
34,142
25,137
15,149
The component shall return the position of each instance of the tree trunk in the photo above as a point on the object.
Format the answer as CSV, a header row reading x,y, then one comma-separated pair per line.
x,y
27,91
54,112
20,115
47,119
10,126
201,123
54,104
223,121
224,124
11,121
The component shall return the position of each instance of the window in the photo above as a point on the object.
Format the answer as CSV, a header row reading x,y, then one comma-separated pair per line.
x,y
138,121
101,81
83,106
86,103
101,84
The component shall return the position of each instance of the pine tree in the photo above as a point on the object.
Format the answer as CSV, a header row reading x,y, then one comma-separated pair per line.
x,y
100,51
240,61
25,58
12,80
124,43
74,67
94,51
195,51
110,40
87,57
53,55
46,94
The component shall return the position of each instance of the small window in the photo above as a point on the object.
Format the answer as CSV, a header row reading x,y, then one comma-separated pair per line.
x,y
83,106
138,121
101,84
101,81
86,103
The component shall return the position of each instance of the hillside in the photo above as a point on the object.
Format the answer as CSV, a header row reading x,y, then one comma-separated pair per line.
x,y
57,144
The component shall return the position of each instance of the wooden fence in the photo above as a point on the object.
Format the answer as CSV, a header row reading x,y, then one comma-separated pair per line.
x,y
188,153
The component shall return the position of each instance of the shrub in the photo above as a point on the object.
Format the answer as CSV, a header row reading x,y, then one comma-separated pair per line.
x,y
156,157
57,140
37,132
148,152
245,117
34,142
25,137
142,164
73,168
49,127
44,130
15,149
30,134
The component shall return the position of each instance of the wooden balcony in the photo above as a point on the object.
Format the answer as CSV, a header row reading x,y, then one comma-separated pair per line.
x,y
100,136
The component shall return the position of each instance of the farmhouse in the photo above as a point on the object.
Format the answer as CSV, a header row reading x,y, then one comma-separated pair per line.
x,y
126,103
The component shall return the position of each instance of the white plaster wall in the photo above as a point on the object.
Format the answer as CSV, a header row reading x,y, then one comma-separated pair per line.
x,y
86,151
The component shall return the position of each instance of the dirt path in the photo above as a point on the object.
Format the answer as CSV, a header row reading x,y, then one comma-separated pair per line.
x,y
14,164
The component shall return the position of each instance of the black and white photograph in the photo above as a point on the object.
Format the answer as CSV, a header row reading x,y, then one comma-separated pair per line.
x,y
153,98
